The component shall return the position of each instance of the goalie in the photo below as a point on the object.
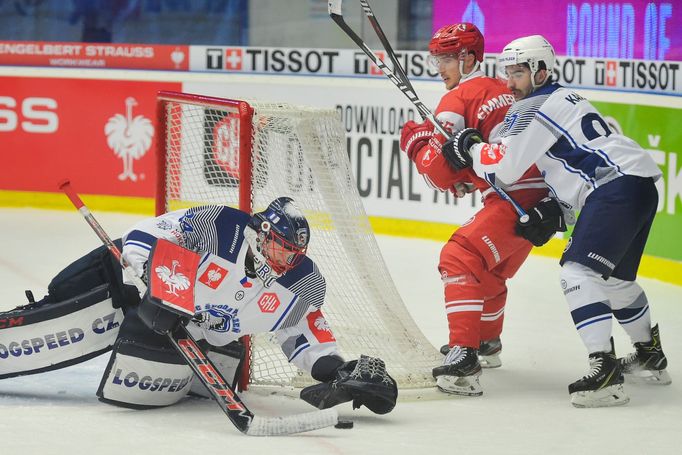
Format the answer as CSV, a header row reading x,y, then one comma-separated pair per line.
x,y
253,276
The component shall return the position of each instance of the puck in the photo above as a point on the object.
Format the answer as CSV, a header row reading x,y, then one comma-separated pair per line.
x,y
344,424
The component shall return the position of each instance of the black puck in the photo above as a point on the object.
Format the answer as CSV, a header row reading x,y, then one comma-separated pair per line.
x,y
344,424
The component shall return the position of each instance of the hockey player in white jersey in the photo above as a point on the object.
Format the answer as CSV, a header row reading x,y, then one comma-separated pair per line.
x,y
253,276
607,178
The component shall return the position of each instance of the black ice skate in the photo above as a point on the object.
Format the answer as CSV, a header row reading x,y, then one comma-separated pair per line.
x,y
648,363
488,353
602,386
459,373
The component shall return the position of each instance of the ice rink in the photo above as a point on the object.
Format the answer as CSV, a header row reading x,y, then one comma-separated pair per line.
x,y
525,408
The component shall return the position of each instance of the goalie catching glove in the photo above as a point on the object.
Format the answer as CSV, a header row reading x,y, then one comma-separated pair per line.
x,y
364,381
544,220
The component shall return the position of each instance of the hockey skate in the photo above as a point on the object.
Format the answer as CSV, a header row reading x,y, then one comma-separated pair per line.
x,y
488,353
459,373
602,386
648,363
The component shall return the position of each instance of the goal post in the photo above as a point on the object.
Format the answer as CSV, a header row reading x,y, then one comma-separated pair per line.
x,y
245,154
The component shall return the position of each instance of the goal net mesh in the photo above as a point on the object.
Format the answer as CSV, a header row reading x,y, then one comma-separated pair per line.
x,y
300,152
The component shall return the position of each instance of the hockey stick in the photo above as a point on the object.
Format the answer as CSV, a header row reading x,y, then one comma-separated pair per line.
x,y
224,395
400,80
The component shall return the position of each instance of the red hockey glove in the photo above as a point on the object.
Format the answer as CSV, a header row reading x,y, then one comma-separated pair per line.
x,y
414,136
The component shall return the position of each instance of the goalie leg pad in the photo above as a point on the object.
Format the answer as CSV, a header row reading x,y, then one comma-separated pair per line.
x,y
92,270
47,337
144,370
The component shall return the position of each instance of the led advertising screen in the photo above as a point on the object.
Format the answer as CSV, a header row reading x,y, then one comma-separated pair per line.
x,y
635,29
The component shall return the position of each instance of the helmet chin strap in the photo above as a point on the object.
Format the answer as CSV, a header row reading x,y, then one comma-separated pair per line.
x,y
262,269
476,67
532,80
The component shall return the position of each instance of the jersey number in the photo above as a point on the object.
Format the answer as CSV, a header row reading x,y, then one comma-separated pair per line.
x,y
587,125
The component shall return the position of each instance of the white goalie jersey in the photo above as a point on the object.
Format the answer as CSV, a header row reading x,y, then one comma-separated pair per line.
x,y
229,303
569,141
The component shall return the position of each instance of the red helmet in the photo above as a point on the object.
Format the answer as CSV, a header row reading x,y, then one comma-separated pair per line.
x,y
453,39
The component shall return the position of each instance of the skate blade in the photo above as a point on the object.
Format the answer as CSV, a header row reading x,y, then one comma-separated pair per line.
x,y
650,377
609,396
490,361
468,386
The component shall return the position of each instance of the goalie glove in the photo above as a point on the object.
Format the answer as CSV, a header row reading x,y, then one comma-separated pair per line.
x,y
414,136
365,381
456,149
544,220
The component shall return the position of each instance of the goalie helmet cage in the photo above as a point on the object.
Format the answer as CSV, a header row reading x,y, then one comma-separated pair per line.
x,y
230,152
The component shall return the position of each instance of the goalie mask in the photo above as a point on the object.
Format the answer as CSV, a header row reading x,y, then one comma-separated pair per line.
x,y
282,235
457,41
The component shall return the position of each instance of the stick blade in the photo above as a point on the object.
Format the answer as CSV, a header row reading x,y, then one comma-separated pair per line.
x,y
298,423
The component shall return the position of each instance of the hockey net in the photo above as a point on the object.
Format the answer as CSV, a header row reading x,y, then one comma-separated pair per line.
x,y
211,148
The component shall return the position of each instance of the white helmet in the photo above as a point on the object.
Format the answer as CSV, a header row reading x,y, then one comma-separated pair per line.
x,y
529,49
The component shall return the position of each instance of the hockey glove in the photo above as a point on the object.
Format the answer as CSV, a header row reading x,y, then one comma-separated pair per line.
x,y
544,220
414,136
456,149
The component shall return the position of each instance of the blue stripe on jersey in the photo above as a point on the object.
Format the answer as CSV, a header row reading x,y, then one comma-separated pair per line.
x,y
606,157
577,159
215,229
141,239
590,311
281,318
306,281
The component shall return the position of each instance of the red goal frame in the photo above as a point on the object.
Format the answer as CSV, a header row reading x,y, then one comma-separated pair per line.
x,y
166,145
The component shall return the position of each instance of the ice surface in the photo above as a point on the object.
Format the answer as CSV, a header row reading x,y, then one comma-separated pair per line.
x,y
525,408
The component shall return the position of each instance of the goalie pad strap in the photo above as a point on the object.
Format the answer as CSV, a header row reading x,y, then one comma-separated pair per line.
x,y
52,336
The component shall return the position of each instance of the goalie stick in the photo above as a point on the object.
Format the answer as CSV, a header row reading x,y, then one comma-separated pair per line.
x,y
400,80
221,391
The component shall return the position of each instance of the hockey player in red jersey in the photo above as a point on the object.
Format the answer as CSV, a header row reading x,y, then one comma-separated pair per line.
x,y
482,254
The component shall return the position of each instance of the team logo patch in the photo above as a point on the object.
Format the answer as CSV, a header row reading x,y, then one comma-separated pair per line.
x,y
319,327
428,157
218,318
492,153
213,275
268,302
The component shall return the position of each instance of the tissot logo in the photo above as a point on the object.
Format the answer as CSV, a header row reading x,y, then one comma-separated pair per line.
x,y
611,72
233,59
230,58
